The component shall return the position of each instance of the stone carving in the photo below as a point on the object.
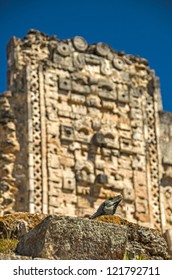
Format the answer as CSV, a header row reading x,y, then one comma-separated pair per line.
x,y
118,63
63,49
102,49
88,128
9,146
80,43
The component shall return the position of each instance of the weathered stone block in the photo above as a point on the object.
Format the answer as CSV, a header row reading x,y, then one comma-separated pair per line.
x,y
77,247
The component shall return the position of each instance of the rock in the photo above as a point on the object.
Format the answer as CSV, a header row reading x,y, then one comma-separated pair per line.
x,y
74,238
106,238
17,224
143,242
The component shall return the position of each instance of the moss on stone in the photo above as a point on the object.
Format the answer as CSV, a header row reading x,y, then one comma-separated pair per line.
x,y
8,245
17,224
112,219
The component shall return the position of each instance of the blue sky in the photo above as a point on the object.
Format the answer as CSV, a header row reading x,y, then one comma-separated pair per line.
x,y
138,27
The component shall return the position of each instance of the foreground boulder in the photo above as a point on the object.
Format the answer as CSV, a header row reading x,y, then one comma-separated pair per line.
x,y
105,238
74,238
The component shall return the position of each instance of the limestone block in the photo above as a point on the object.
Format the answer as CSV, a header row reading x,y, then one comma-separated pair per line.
x,y
122,92
79,88
54,190
67,133
54,174
136,114
124,123
63,106
111,141
65,84
110,167
93,101
62,202
92,60
105,67
54,148
84,175
53,128
115,152
52,114
54,186
94,112
129,209
141,207
77,98
124,161
139,162
106,154
78,61
138,134
139,147
139,179
125,134
49,102
128,191
116,185
67,161
141,191
69,182
126,145
64,113
108,105
83,190
124,173
104,193
81,154
108,93
54,201
82,136
114,162
53,161
74,146
84,202
99,164
136,103
78,109
51,93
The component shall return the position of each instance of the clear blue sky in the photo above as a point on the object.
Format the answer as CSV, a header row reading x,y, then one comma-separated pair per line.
x,y
138,27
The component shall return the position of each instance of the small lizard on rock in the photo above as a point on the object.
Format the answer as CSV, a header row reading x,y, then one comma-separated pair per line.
x,y
108,207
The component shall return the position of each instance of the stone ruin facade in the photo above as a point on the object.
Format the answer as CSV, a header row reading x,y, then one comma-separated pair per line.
x,y
81,123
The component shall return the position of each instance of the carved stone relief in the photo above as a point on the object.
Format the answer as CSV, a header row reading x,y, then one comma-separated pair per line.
x,y
92,128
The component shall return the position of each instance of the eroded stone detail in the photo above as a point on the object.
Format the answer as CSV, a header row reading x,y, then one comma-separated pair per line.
x,y
9,146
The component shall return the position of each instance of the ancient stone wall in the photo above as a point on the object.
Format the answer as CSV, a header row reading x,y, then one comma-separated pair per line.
x,y
88,126
166,161
9,146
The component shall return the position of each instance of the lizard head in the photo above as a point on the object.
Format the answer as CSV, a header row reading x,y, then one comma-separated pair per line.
x,y
108,207
111,204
